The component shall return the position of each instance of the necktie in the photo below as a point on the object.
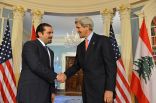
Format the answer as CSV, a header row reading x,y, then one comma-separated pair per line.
x,y
86,43
46,48
48,54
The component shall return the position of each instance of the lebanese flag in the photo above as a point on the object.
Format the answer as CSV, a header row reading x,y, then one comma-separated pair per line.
x,y
143,83
33,33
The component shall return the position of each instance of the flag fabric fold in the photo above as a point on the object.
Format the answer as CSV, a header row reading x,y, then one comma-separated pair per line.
x,y
144,73
123,91
33,33
7,77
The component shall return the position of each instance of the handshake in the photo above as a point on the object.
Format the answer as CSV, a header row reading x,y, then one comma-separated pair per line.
x,y
61,77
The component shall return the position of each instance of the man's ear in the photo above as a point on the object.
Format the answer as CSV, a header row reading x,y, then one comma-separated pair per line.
x,y
39,34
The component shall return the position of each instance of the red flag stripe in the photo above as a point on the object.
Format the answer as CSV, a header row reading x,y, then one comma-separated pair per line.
x,y
33,33
8,90
10,80
120,97
122,76
122,91
4,90
8,85
9,65
138,92
117,99
144,36
4,99
121,63
122,83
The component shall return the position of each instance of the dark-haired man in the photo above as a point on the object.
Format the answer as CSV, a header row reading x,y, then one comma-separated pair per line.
x,y
36,83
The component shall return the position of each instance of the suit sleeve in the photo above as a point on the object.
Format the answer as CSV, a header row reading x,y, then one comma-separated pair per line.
x,y
53,89
31,56
110,64
75,67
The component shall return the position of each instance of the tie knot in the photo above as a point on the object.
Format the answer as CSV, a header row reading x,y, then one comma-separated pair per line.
x,y
46,47
86,40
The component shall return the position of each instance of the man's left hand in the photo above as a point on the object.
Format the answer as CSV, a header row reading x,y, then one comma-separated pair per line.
x,y
108,96
52,98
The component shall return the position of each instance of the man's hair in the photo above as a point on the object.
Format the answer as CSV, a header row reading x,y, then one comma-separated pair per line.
x,y
85,21
41,28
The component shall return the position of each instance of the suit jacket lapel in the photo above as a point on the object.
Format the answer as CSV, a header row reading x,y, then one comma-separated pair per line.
x,y
40,44
91,45
43,49
83,48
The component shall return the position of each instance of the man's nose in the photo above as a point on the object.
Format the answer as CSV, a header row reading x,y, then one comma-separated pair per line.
x,y
51,34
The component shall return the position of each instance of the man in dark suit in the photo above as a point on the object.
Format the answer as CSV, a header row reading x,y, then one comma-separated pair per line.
x,y
95,56
36,83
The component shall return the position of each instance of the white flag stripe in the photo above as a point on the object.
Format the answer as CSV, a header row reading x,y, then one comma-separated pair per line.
x,y
10,61
120,96
140,52
5,89
9,78
124,88
1,100
120,67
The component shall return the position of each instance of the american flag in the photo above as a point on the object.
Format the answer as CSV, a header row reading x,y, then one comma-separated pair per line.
x,y
7,78
123,92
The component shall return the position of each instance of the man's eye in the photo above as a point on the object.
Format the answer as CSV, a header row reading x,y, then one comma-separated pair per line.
x,y
49,32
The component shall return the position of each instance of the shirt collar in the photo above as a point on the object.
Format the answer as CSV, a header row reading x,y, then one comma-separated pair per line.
x,y
89,37
41,42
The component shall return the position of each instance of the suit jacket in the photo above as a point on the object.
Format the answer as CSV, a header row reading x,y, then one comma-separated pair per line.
x,y
99,68
36,81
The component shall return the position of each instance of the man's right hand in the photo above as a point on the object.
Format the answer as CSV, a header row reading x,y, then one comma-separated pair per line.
x,y
61,77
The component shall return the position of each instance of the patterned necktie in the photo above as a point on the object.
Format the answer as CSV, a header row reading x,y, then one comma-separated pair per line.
x,y
86,43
